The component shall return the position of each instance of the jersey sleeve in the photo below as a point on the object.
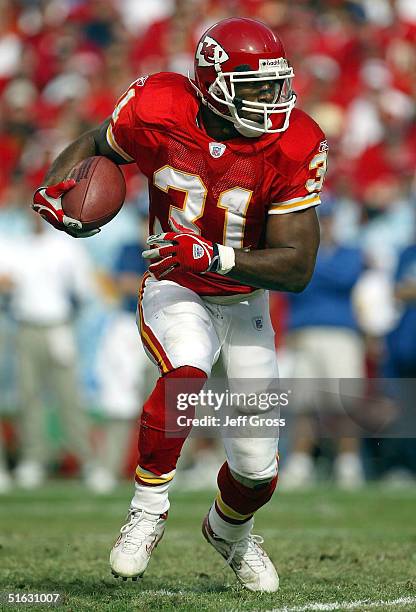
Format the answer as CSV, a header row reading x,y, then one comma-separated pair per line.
x,y
303,184
125,121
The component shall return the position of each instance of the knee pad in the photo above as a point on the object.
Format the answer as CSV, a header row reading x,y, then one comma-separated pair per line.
x,y
252,459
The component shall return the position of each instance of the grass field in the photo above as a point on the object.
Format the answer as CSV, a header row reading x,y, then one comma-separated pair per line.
x,y
330,548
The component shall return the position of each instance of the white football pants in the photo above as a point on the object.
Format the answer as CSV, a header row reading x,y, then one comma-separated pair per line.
x,y
178,328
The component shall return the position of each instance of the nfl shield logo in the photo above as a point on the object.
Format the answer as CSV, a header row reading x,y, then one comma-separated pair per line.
x,y
216,149
258,323
198,251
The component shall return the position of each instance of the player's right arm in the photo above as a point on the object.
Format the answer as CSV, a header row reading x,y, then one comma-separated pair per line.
x,y
112,139
47,200
88,144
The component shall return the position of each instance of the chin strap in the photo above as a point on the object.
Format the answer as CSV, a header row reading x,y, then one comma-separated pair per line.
x,y
246,131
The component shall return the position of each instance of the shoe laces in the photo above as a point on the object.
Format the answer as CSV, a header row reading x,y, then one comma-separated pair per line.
x,y
249,550
137,529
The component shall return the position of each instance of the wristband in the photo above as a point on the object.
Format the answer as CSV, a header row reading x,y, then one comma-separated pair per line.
x,y
227,259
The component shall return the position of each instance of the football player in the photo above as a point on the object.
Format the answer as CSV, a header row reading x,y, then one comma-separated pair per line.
x,y
234,173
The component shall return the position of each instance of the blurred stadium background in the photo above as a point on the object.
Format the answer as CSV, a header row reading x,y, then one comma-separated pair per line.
x,y
63,64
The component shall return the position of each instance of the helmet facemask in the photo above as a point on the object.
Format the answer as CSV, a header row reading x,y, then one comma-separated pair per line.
x,y
223,91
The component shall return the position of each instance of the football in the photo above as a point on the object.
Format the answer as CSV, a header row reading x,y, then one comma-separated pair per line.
x,y
99,193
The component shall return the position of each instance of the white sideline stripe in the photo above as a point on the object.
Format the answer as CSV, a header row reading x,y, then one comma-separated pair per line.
x,y
163,592
347,605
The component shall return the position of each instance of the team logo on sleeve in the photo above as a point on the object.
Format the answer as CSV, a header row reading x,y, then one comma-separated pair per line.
x,y
216,148
209,52
323,146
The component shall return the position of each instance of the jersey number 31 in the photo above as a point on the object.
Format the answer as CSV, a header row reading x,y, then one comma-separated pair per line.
x,y
234,201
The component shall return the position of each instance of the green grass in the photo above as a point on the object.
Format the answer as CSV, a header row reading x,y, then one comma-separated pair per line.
x,y
328,546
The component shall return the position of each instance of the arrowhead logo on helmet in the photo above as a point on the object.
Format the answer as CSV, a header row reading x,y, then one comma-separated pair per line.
x,y
209,52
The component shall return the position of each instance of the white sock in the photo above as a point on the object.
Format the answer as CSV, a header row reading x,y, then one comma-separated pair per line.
x,y
228,531
153,500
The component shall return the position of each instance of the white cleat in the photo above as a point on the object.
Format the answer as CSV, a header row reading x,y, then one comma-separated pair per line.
x,y
131,553
247,559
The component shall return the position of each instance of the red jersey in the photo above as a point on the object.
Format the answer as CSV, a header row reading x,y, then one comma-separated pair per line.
x,y
223,191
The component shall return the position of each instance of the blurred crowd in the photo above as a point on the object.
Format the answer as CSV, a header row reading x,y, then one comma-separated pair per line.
x,y
63,64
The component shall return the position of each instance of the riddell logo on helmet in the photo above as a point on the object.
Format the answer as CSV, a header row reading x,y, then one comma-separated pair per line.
x,y
279,62
209,52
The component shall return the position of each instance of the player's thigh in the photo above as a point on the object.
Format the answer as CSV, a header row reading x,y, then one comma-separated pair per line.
x,y
175,327
248,349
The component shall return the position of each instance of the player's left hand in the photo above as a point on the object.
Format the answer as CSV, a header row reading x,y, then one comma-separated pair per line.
x,y
181,249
